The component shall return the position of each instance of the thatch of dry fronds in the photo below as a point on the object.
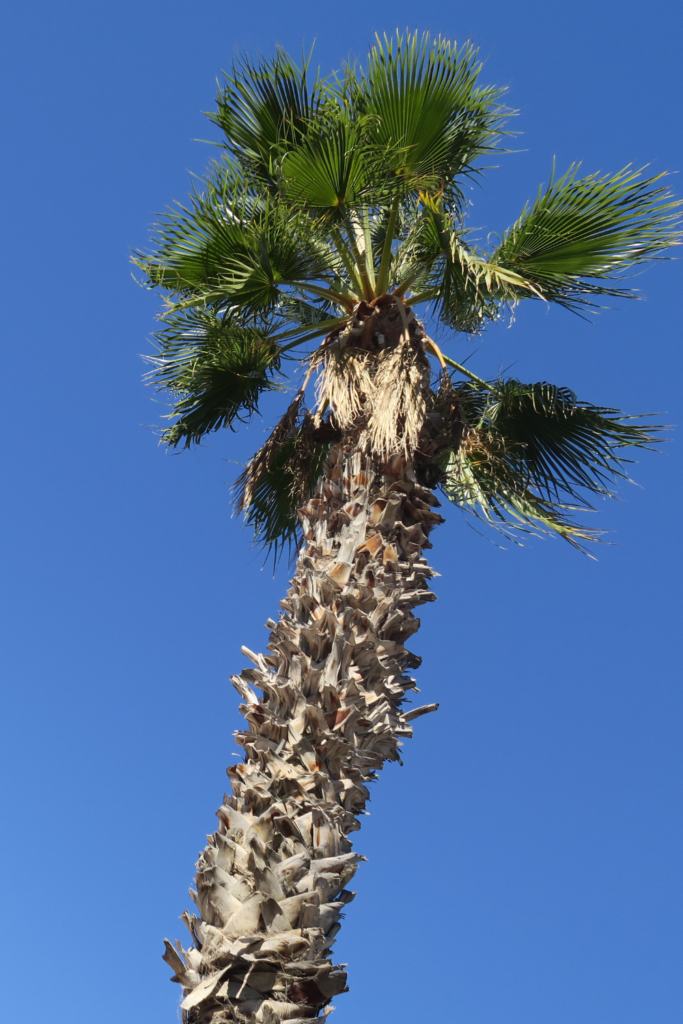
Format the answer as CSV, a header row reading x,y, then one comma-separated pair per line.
x,y
380,394
398,402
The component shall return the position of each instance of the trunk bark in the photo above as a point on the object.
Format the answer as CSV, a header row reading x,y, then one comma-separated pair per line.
x,y
271,883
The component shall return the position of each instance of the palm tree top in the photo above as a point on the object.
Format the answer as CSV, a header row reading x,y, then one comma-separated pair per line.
x,y
335,197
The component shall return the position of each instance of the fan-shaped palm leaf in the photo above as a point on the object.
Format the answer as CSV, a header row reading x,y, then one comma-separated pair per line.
x,y
237,251
531,452
482,478
580,231
565,444
466,288
329,171
429,113
263,109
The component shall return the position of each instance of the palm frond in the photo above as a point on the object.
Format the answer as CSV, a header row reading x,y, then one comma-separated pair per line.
x,y
429,113
329,170
566,445
581,231
469,289
533,454
215,370
236,250
466,289
263,108
193,242
480,477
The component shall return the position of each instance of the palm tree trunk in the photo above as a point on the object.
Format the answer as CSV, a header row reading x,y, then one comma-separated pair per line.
x,y
271,883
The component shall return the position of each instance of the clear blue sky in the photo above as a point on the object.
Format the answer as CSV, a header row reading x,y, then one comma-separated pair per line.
x,y
525,865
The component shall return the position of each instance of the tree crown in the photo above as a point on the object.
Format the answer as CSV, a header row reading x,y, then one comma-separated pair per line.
x,y
333,196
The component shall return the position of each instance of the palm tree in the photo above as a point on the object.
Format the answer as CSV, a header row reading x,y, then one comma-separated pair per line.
x,y
333,217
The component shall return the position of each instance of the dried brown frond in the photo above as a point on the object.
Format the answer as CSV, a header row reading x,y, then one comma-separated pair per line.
x,y
375,379
345,383
398,401
283,474
259,463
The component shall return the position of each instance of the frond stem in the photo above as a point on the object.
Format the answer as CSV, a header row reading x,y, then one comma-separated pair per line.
x,y
318,331
431,293
463,369
385,264
403,286
343,299
437,352
347,259
359,259
369,255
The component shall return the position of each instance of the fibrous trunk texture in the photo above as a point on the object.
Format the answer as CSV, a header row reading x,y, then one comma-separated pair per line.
x,y
325,710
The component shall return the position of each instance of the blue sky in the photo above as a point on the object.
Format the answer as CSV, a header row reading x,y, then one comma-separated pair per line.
x,y
525,864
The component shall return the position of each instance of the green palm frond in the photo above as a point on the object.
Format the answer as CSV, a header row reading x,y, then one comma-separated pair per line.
x,y
192,244
430,115
564,444
480,477
215,370
533,454
580,231
264,108
330,170
237,251
464,296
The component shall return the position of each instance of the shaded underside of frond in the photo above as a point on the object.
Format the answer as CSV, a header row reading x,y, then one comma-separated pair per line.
x,y
215,372
532,455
